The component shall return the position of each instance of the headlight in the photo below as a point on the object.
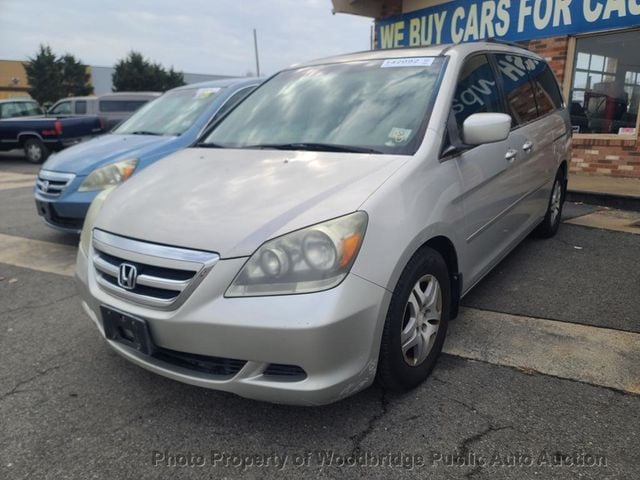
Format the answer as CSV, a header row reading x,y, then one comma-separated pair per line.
x,y
308,260
109,175
90,219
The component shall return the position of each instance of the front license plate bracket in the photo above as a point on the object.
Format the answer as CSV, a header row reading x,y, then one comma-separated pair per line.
x,y
129,331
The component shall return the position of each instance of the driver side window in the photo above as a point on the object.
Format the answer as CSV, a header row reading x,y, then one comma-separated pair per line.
x,y
63,108
477,90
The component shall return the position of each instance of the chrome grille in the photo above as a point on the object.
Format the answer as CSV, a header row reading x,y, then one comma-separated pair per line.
x,y
163,276
52,184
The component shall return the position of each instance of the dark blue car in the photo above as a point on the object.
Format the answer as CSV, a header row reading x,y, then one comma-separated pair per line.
x,y
70,180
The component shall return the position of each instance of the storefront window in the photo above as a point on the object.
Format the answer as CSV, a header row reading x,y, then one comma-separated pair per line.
x,y
605,89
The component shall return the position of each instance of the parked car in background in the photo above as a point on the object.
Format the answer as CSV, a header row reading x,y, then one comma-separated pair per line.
x,y
23,125
328,226
19,107
68,182
112,108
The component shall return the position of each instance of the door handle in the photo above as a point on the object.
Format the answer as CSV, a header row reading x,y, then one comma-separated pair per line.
x,y
511,155
528,145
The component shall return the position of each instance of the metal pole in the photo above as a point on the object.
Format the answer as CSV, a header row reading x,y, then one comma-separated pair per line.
x,y
255,47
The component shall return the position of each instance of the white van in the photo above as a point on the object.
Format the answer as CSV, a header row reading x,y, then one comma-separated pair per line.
x,y
112,108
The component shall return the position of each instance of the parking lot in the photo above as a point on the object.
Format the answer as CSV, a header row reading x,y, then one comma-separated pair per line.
x,y
540,378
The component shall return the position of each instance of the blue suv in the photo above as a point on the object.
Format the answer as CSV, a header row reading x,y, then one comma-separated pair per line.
x,y
70,180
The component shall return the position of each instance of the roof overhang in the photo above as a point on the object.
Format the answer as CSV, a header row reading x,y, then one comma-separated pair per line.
x,y
366,8
380,8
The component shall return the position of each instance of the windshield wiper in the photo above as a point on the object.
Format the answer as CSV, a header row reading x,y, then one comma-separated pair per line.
x,y
144,132
313,147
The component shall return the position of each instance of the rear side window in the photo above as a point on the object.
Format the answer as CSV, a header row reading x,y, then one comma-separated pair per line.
x,y
30,108
546,88
517,88
477,90
121,105
81,107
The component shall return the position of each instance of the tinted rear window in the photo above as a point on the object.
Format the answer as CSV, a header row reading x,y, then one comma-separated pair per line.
x,y
121,105
81,107
517,87
29,109
546,88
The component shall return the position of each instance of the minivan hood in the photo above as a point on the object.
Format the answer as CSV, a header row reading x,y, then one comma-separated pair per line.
x,y
231,201
85,157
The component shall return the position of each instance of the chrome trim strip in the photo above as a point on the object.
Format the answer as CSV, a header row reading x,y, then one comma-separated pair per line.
x,y
163,283
201,264
105,267
56,176
146,280
160,303
59,180
153,249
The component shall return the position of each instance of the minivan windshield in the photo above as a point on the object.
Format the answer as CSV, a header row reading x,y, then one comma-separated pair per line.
x,y
171,114
378,106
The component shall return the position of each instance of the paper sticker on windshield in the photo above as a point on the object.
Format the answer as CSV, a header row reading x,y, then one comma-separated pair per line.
x,y
399,135
408,62
205,92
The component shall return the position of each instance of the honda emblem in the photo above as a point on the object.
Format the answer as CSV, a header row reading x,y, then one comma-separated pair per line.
x,y
127,276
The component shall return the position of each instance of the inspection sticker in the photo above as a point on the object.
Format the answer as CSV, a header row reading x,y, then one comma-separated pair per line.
x,y
205,92
408,62
399,135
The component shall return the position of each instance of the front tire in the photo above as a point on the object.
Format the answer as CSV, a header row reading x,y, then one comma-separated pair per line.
x,y
551,222
35,150
416,323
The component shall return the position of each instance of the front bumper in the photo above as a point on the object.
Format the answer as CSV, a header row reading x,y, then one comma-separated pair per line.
x,y
67,211
334,336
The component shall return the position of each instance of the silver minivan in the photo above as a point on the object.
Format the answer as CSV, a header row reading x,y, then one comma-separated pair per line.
x,y
323,233
112,108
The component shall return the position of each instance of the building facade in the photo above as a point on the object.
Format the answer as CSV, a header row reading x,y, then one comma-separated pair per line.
x,y
593,46
14,82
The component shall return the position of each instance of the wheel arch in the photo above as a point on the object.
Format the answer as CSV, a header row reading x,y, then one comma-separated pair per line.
x,y
24,136
564,167
445,247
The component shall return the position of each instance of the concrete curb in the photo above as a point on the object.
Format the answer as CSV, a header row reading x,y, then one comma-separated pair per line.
x,y
594,355
613,200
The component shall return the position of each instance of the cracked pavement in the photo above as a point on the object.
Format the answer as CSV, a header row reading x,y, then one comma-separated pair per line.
x,y
73,409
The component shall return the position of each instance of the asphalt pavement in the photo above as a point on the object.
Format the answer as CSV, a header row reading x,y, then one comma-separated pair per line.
x,y
73,409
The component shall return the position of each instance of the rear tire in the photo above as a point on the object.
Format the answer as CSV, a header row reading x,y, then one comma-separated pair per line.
x,y
35,150
551,222
416,323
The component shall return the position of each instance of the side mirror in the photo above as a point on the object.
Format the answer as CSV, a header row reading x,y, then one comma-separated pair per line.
x,y
482,128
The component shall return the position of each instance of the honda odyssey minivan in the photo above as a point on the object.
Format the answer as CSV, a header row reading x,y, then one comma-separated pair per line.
x,y
323,233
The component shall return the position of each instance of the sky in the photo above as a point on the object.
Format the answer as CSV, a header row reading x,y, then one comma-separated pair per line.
x,y
194,36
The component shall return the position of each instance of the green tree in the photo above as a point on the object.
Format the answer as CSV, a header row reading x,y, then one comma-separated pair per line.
x,y
44,75
52,78
76,81
134,73
174,79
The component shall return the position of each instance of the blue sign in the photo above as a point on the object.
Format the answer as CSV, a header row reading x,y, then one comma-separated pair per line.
x,y
469,20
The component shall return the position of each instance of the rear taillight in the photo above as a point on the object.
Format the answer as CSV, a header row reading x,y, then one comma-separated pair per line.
x,y
57,126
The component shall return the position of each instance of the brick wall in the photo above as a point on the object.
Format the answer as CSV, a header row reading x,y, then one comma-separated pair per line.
x,y
554,51
592,156
617,158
